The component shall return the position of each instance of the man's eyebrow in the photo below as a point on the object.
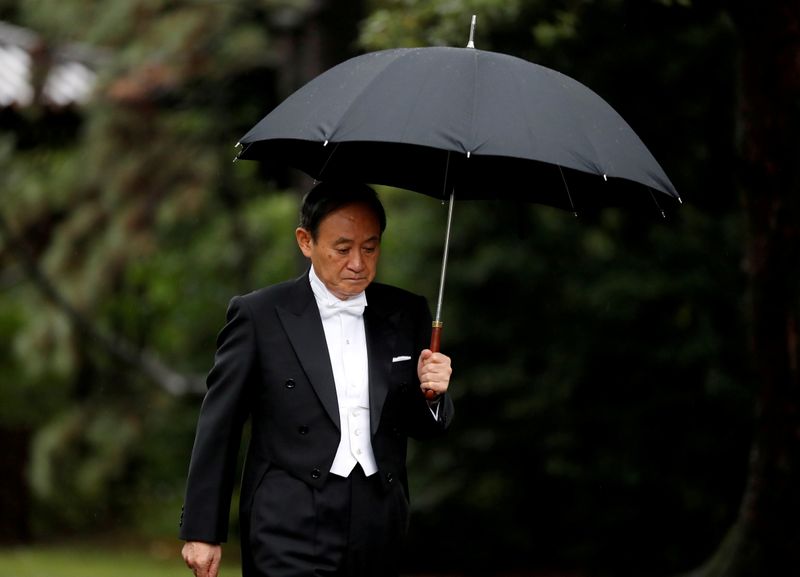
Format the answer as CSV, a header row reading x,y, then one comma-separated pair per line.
x,y
345,240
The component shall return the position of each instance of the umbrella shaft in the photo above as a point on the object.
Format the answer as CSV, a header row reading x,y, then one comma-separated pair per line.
x,y
438,317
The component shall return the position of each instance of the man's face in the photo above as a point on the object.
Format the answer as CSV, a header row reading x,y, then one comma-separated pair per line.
x,y
345,253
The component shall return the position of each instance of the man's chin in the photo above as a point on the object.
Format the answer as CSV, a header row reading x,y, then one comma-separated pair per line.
x,y
354,288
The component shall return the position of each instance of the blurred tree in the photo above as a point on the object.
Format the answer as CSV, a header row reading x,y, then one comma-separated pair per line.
x,y
765,540
132,223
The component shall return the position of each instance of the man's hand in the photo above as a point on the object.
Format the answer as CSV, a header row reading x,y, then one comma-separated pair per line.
x,y
433,370
202,558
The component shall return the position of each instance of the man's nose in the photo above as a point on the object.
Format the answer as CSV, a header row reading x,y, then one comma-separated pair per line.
x,y
356,261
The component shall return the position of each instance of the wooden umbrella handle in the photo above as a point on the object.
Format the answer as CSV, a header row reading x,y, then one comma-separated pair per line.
x,y
436,342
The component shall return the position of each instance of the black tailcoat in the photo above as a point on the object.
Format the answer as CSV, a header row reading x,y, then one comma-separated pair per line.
x,y
272,367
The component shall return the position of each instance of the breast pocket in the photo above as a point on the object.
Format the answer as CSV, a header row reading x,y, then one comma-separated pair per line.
x,y
404,373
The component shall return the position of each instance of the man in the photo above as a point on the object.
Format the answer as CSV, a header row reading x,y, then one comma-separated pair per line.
x,y
332,370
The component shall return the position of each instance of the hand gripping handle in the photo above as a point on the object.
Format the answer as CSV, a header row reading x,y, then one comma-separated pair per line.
x,y
436,341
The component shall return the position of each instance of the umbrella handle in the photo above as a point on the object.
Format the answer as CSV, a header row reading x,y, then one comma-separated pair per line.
x,y
436,342
436,336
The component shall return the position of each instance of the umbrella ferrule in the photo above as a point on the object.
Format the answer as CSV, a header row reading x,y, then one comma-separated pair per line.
x,y
471,43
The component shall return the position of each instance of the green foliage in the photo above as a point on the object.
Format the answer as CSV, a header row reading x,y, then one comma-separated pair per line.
x,y
145,228
401,23
78,461
32,391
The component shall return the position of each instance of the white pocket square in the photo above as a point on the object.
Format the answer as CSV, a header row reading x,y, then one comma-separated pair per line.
x,y
401,358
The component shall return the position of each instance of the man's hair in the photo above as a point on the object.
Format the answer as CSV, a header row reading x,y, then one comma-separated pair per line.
x,y
329,196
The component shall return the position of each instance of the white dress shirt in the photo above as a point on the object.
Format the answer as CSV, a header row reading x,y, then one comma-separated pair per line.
x,y
343,324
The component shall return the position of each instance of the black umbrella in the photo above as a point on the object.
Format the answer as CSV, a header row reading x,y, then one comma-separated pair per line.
x,y
461,122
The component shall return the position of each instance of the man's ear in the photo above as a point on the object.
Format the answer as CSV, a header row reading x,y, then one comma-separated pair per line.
x,y
304,241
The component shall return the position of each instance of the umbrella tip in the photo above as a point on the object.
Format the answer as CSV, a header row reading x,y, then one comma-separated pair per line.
x,y
471,43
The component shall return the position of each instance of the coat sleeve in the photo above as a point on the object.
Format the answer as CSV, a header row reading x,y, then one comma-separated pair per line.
x,y
210,481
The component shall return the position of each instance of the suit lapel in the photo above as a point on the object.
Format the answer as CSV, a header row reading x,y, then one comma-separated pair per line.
x,y
380,344
303,326
302,323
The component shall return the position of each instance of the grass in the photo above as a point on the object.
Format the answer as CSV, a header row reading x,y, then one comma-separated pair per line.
x,y
157,560
160,559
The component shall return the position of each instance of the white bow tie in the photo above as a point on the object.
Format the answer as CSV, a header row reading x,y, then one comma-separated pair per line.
x,y
352,306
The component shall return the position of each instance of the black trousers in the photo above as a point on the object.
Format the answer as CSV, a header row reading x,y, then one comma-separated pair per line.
x,y
352,527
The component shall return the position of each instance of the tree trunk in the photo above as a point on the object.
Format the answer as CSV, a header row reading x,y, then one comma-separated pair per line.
x,y
765,540
15,500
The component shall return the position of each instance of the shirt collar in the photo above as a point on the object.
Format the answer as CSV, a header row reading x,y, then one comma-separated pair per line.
x,y
326,300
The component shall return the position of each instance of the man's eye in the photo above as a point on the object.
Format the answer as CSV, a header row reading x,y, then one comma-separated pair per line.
x,y
342,251
369,249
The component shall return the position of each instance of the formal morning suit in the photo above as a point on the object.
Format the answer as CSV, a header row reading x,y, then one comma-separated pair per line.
x,y
272,366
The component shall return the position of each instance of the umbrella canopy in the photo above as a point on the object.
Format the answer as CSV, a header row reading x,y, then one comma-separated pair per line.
x,y
461,122
485,124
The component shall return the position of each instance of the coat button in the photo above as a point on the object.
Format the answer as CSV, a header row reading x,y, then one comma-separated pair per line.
x,y
303,430
289,383
316,474
389,478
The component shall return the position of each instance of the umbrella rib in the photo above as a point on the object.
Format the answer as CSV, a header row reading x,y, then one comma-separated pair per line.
x,y
566,187
446,172
658,206
328,159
